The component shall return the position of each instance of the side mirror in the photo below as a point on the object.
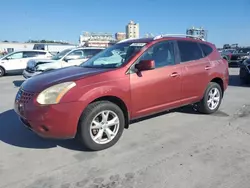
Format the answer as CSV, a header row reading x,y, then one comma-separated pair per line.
x,y
144,65
67,58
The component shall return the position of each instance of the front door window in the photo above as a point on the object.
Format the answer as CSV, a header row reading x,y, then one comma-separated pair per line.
x,y
17,55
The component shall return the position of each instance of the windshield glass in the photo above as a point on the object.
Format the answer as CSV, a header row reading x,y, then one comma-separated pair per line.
x,y
114,56
61,54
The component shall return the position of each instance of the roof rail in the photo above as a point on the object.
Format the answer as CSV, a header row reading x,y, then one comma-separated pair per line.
x,y
180,35
125,40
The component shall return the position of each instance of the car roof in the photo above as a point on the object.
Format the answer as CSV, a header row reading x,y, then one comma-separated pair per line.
x,y
89,47
31,50
151,39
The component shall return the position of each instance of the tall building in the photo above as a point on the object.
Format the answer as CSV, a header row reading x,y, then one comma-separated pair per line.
x,y
132,30
120,36
197,32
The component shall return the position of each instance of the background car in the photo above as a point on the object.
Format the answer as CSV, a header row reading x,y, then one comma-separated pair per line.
x,y
236,56
66,58
16,62
245,72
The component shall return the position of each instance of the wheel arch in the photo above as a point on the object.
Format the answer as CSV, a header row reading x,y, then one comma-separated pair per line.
x,y
119,102
219,81
4,71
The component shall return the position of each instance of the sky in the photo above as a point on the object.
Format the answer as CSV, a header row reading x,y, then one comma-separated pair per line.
x,y
227,21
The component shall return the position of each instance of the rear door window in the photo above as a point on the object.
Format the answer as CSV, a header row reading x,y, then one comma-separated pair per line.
x,y
29,54
189,51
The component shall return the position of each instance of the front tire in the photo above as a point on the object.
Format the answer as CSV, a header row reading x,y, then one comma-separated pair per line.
x,y
2,71
101,125
211,100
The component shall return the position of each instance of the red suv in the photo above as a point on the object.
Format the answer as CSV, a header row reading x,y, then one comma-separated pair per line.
x,y
96,100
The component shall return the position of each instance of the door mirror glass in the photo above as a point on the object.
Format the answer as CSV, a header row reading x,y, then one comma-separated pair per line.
x,y
144,65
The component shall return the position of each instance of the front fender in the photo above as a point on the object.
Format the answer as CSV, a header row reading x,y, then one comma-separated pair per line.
x,y
106,91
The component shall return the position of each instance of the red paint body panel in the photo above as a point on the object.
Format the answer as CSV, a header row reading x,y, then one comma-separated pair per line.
x,y
143,93
155,90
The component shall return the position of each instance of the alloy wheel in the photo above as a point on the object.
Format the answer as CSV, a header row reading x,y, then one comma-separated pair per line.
x,y
104,127
213,98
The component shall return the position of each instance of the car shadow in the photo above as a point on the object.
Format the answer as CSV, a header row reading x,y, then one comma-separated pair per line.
x,y
12,132
18,83
234,80
14,74
189,109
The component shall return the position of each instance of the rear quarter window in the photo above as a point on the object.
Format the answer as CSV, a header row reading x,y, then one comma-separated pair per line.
x,y
189,51
207,50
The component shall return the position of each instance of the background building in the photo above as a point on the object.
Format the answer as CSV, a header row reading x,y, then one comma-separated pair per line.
x,y
120,36
132,30
96,39
197,31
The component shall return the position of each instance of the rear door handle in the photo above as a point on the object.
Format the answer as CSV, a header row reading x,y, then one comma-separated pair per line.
x,y
174,74
208,67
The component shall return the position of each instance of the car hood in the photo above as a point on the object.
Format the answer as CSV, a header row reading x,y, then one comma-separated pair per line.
x,y
34,62
46,79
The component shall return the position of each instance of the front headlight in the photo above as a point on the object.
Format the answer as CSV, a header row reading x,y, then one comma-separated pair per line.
x,y
53,94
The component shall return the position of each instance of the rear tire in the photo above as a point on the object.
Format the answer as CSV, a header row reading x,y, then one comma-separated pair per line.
x,y
211,100
95,131
2,71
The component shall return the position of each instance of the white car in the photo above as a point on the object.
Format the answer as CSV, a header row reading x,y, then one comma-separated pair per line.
x,y
16,62
66,58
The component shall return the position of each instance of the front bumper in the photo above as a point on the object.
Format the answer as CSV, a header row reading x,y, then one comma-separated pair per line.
x,y
28,75
52,121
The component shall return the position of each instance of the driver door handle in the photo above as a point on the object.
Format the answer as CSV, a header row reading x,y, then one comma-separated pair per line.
x,y
174,74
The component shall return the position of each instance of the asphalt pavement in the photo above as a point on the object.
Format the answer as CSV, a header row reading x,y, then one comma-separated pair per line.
x,y
177,149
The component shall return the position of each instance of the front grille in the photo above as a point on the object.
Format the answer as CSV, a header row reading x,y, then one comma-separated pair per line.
x,y
24,97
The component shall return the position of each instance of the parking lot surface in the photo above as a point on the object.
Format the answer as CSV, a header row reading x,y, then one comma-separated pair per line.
x,y
174,150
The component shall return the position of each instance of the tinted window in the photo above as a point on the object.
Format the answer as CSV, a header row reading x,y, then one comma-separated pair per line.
x,y
189,51
207,50
29,54
162,53
41,53
91,52
38,47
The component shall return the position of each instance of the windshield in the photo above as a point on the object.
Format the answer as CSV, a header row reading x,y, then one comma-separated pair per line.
x,y
114,56
60,54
